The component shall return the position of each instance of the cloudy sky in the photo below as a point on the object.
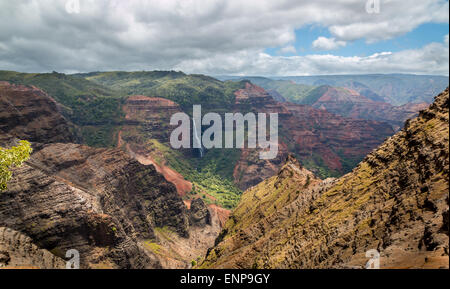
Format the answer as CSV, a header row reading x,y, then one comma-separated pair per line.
x,y
226,37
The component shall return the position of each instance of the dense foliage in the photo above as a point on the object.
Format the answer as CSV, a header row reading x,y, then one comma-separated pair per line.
x,y
186,90
10,158
211,176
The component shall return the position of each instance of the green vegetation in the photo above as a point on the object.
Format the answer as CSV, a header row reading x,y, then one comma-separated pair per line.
x,y
186,90
84,103
153,247
93,102
13,157
316,164
291,91
212,174
100,135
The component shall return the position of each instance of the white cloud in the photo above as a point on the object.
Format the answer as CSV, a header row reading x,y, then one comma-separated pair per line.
x,y
154,34
323,43
288,49
430,59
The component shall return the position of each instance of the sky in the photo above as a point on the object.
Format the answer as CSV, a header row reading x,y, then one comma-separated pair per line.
x,y
226,37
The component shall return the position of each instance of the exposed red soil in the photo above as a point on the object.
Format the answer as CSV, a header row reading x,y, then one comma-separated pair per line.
x,y
222,214
183,186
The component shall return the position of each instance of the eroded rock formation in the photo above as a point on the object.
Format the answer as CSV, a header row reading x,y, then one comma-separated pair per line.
x,y
320,139
18,251
395,201
29,113
100,202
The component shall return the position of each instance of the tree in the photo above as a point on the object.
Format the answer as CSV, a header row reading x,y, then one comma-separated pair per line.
x,y
10,158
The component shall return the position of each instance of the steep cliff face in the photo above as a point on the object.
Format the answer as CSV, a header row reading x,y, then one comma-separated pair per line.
x,y
18,251
148,118
199,215
101,202
152,114
327,144
97,201
250,169
30,113
337,140
395,201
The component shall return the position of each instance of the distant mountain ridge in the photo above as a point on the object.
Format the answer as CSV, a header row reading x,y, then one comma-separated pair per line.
x,y
396,89
327,144
347,97
350,103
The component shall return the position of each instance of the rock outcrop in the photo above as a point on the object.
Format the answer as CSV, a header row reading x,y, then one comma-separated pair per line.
x,y
152,115
199,214
18,251
97,201
395,201
29,113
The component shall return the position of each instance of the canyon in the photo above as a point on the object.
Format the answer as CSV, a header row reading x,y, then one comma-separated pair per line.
x,y
347,97
349,103
326,143
395,201
139,203
99,201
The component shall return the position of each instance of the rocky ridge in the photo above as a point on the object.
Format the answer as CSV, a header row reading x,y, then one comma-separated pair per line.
x,y
395,201
30,113
18,251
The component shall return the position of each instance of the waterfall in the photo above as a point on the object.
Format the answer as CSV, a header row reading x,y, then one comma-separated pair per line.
x,y
198,139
